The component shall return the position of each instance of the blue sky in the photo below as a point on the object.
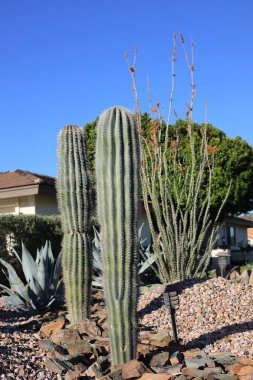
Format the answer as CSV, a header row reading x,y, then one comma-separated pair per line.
x,y
62,62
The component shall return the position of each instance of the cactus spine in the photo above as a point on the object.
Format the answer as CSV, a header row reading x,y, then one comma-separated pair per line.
x,y
117,175
74,198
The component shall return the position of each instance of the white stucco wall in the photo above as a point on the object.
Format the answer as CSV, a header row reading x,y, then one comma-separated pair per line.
x,y
18,205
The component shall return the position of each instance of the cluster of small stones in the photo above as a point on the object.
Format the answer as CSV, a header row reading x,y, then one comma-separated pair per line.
x,y
216,314
82,352
215,329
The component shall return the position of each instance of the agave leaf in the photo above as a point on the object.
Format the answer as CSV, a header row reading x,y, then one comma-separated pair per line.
x,y
28,265
148,263
27,302
57,272
17,255
15,283
50,261
13,302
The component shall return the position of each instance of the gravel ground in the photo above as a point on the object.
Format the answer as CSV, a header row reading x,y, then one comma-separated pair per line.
x,y
20,357
216,314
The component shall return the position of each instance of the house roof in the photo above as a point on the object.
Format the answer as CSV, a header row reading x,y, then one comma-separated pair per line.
x,y
19,178
21,182
242,221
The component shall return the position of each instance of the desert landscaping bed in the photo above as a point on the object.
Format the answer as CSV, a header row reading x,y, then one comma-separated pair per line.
x,y
214,317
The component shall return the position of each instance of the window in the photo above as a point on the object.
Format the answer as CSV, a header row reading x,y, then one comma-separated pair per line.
x,y
231,238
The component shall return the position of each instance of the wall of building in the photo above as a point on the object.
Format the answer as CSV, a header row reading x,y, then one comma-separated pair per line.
x,y
18,205
46,205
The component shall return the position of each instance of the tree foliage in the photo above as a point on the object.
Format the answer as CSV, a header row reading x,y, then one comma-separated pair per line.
x,y
233,160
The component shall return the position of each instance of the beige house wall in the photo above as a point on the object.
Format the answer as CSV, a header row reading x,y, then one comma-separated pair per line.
x,y
29,205
18,205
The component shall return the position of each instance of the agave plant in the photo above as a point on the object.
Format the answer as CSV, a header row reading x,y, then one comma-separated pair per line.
x,y
44,286
146,261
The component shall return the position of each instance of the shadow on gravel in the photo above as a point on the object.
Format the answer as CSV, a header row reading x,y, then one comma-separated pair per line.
x,y
179,287
223,333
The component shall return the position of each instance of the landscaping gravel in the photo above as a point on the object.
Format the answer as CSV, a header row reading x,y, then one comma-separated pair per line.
x,y
216,315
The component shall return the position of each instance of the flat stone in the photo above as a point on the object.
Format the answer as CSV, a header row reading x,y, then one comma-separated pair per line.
x,y
222,376
65,337
57,366
87,327
155,376
246,370
46,345
159,360
80,347
172,370
93,371
233,368
244,360
51,328
192,353
195,362
194,372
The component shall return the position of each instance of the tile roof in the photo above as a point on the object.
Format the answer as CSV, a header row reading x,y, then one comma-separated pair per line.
x,y
19,178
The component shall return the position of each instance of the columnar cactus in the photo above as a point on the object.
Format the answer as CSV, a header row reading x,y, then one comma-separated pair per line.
x,y
117,176
74,198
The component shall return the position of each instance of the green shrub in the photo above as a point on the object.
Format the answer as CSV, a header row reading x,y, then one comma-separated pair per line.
x,y
33,231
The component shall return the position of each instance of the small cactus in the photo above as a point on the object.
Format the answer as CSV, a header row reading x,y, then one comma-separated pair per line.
x,y
74,198
117,175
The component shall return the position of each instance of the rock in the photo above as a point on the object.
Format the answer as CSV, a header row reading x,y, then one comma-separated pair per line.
x,y
80,347
244,360
51,328
133,368
65,337
72,375
172,370
195,362
192,353
193,372
176,358
234,276
155,376
222,376
159,360
46,345
246,370
233,368
57,366
87,327
245,276
93,371
251,279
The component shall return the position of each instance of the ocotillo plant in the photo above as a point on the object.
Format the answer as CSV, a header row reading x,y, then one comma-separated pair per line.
x,y
117,173
74,198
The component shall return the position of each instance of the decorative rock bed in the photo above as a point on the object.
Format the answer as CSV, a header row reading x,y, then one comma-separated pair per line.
x,y
215,327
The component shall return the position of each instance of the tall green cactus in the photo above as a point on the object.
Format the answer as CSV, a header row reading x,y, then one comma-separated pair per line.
x,y
117,175
74,198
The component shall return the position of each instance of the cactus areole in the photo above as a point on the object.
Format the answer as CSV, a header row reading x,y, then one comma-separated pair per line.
x,y
74,198
117,176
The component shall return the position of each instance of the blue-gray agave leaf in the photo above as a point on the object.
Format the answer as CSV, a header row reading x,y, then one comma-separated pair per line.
x,y
15,283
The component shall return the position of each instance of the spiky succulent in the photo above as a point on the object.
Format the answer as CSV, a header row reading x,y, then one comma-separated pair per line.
x,y
147,260
44,286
